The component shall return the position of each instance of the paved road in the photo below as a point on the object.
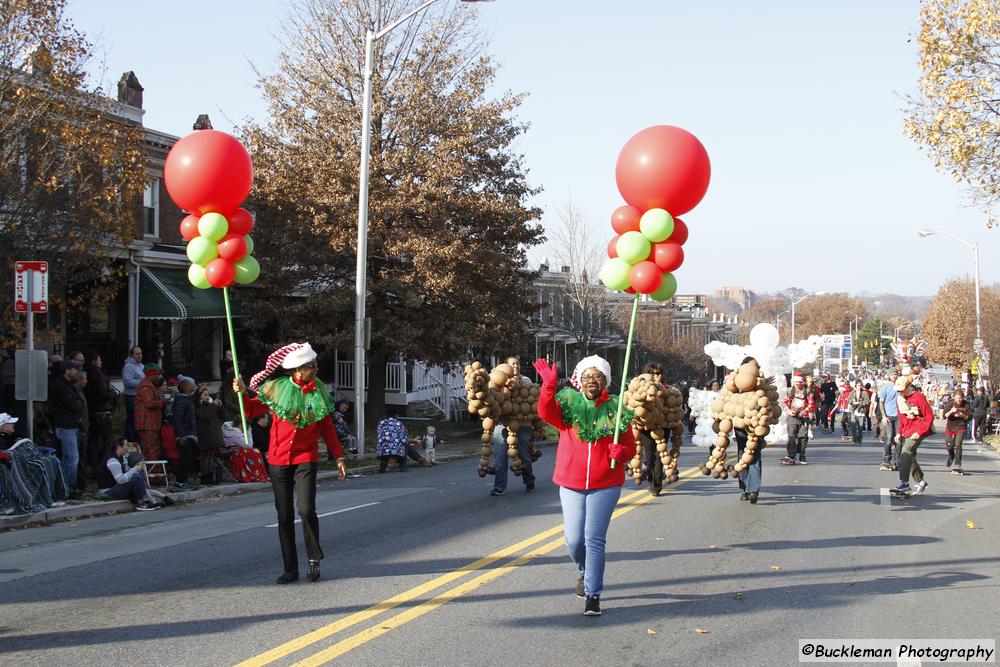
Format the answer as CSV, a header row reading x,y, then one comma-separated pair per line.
x,y
426,568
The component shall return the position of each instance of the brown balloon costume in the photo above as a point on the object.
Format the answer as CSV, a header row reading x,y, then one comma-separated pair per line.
x,y
659,410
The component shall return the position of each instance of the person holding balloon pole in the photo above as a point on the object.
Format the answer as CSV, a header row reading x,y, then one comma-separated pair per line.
x,y
589,482
301,411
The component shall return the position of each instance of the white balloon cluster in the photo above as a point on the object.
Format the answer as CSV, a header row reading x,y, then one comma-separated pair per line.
x,y
700,401
774,361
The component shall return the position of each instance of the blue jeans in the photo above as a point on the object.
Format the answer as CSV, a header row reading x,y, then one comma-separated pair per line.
x,y
750,477
502,461
70,455
857,428
135,489
586,517
890,453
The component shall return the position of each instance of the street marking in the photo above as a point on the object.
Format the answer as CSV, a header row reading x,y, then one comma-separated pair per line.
x,y
319,634
884,498
320,516
382,627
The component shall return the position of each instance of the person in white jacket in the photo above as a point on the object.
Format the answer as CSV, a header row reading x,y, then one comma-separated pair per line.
x,y
123,481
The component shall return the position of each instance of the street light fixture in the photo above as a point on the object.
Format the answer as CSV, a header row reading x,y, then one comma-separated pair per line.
x,y
361,273
777,319
923,233
854,335
793,310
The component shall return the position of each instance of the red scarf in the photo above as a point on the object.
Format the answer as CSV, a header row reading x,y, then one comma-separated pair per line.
x,y
307,387
602,399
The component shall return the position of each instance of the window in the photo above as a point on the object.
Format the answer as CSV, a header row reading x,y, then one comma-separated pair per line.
x,y
151,208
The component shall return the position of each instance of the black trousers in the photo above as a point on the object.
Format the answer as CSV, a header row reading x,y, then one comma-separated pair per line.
x,y
296,484
654,466
185,464
99,440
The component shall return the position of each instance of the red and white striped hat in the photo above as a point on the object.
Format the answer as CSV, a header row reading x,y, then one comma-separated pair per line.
x,y
292,355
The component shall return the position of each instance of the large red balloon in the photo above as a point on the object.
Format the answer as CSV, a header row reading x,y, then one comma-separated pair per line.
x,y
208,171
232,247
189,227
240,222
645,277
663,167
666,255
612,247
680,235
625,219
220,272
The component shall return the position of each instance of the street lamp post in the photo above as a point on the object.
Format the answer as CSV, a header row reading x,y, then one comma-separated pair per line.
x,y
361,272
777,321
793,310
853,336
923,233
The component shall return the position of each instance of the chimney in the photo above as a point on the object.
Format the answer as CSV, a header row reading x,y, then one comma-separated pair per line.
x,y
203,123
130,90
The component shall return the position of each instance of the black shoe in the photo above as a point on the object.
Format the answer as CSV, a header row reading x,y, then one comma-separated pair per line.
x,y
312,572
496,492
744,496
752,498
803,461
592,607
654,491
529,488
579,588
146,506
288,577
951,460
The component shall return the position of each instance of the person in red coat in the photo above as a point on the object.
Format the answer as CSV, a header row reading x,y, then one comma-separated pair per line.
x,y
589,487
916,420
301,411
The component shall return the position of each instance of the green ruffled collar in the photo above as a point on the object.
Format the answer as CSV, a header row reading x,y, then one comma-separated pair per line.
x,y
286,400
592,422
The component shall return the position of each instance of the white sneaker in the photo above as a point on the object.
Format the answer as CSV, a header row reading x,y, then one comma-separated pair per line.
x,y
919,487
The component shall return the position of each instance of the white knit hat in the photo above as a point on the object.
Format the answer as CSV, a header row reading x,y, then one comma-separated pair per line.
x,y
593,361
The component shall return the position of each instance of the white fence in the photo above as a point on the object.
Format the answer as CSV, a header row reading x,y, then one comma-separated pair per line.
x,y
422,383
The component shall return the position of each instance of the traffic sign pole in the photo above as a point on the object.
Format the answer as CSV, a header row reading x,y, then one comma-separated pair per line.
x,y
31,353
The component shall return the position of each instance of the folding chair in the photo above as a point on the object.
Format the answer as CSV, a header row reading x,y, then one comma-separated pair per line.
x,y
156,469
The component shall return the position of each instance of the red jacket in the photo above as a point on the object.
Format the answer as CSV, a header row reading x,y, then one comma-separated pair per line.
x,y
584,465
808,403
920,425
290,445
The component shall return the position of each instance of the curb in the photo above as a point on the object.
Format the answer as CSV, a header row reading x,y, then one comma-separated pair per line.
x,y
106,507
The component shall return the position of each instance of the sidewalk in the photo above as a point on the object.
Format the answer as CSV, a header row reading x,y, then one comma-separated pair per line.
x,y
450,451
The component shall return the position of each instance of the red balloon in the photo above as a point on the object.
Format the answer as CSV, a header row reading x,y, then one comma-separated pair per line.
x,y
645,277
680,235
663,167
629,290
625,219
189,227
240,222
220,272
612,249
232,247
208,171
667,255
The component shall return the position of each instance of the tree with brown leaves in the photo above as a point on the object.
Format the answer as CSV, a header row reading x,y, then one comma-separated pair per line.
x,y
449,220
950,325
827,314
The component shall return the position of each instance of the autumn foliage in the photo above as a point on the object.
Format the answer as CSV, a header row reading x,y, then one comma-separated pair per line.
x,y
950,325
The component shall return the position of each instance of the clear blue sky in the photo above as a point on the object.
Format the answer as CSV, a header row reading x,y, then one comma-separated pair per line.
x,y
798,103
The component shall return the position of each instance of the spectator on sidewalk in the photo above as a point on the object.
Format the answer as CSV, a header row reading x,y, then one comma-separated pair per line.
x,y
65,409
149,404
101,397
121,481
979,405
889,417
391,441
347,441
132,375
429,442
185,430
210,414
83,434
77,359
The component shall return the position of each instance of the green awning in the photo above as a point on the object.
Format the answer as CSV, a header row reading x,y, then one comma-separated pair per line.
x,y
166,294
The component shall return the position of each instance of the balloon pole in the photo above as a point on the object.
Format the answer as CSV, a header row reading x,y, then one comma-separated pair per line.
x,y
628,356
236,363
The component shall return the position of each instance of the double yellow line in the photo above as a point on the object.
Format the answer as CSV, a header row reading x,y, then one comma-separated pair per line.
x,y
364,636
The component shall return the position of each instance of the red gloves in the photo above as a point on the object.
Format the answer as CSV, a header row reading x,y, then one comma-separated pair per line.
x,y
547,372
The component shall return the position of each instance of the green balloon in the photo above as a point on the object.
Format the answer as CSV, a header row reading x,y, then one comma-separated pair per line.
x,y
249,244
656,225
667,288
196,276
213,226
632,247
614,274
201,251
247,270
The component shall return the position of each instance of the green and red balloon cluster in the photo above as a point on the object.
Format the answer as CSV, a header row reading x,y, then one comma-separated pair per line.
x,y
209,173
662,172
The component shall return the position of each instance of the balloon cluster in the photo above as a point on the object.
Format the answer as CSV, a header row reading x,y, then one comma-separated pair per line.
x,y
501,397
209,173
662,172
700,402
659,410
747,401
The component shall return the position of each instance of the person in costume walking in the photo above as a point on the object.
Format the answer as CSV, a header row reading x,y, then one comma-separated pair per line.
x,y
301,411
589,487
916,418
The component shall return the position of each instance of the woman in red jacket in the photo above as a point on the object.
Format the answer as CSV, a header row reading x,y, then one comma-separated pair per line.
x,y
301,411
589,487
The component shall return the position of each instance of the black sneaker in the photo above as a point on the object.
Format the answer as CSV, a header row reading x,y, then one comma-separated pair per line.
x,y
579,588
146,506
803,461
752,498
496,492
744,496
529,488
312,572
288,577
592,607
